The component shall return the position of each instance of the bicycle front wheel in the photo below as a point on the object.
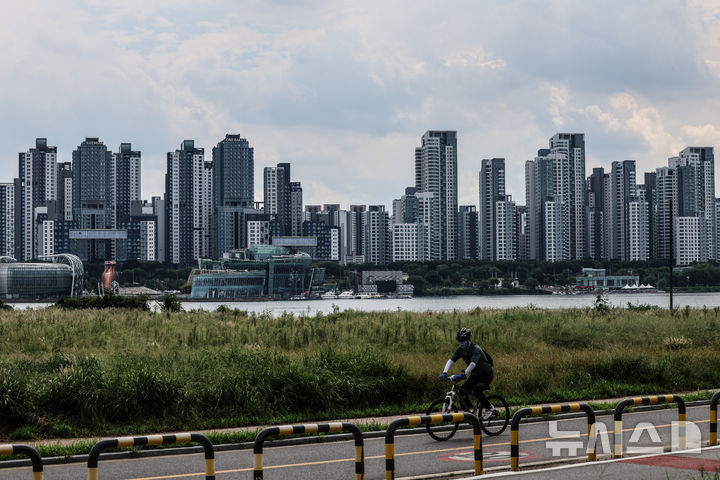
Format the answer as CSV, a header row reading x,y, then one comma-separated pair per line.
x,y
497,424
441,431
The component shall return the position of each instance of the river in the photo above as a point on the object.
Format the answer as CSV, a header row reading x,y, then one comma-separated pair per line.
x,y
444,304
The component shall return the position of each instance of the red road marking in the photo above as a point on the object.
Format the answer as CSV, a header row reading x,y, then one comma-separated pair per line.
x,y
674,461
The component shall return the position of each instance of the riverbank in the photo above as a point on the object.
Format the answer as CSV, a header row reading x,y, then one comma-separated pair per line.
x,y
112,372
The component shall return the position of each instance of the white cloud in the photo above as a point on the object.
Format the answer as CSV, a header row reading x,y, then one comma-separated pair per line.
x,y
344,90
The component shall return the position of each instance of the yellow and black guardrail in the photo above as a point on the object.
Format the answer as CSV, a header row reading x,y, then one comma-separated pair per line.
x,y
310,428
650,400
429,419
544,410
713,418
121,442
34,456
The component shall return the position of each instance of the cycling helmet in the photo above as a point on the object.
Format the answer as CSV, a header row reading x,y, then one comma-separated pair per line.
x,y
463,334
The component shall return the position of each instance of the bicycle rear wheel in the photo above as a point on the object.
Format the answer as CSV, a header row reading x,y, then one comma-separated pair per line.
x,y
441,431
497,424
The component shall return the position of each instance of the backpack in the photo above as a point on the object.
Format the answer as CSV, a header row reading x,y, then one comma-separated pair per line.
x,y
489,358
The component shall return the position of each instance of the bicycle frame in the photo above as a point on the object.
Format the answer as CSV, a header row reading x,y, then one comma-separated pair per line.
x,y
450,396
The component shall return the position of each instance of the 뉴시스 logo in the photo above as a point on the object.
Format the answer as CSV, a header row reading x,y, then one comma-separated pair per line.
x,y
643,439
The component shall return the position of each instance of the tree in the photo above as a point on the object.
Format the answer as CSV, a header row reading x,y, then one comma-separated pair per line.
x,y
419,284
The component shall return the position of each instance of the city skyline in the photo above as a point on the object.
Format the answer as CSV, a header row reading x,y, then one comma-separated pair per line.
x,y
92,208
342,91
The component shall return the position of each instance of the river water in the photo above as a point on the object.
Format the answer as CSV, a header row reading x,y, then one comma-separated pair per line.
x,y
463,302
444,304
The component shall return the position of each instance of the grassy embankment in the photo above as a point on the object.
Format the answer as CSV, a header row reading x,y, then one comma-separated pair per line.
x,y
120,372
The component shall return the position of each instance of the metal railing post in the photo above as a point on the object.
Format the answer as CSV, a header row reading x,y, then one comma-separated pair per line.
x,y
121,442
713,418
430,419
34,456
549,409
310,428
649,400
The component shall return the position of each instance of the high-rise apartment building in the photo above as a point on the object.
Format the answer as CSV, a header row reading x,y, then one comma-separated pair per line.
x,y
93,200
622,189
405,208
233,193
283,199
405,242
492,188
555,189
548,203
638,226
436,173
523,244
505,240
378,243
127,185
65,191
467,223
689,182
650,198
35,187
665,189
701,163
572,145
127,180
7,219
599,219
689,240
188,197
357,232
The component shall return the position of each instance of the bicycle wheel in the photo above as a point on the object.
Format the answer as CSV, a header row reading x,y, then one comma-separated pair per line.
x,y
441,431
496,425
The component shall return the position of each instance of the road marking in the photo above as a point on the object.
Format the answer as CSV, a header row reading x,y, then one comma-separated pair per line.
x,y
685,463
323,462
488,456
599,464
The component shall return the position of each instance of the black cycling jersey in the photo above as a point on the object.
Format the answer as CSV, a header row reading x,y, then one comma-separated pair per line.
x,y
473,353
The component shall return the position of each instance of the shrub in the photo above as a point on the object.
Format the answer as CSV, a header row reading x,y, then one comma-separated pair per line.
x,y
107,301
170,303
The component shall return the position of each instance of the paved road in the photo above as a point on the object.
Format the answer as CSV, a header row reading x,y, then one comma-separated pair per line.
x,y
415,454
680,466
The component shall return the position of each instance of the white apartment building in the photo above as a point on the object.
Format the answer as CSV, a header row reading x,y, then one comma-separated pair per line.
x,y
377,232
638,231
505,229
556,249
46,239
7,219
38,180
258,232
335,244
405,242
148,241
428,235
689,241
436,172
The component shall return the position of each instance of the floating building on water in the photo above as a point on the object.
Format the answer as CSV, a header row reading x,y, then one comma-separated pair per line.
x,y
259,271
62,276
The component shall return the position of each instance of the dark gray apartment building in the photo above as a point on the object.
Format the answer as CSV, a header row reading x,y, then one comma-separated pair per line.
x,y
93,200
233,193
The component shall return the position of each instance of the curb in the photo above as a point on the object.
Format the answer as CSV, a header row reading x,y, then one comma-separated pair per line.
x,y
340,437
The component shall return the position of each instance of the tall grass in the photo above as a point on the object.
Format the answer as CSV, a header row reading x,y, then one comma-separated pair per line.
x,y
94,370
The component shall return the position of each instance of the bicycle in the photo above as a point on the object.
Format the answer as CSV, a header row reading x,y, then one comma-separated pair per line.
x,y
493,426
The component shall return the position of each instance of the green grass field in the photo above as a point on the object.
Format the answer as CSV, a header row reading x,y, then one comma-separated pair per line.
x,y
104,372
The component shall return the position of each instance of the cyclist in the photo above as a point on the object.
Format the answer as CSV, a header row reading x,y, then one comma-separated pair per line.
x,y
479,371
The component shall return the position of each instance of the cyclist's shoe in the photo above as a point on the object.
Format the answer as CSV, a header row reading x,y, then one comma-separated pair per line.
x,y
491,413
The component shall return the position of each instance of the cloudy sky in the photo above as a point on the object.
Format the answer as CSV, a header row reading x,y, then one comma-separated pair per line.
x,y
344,90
